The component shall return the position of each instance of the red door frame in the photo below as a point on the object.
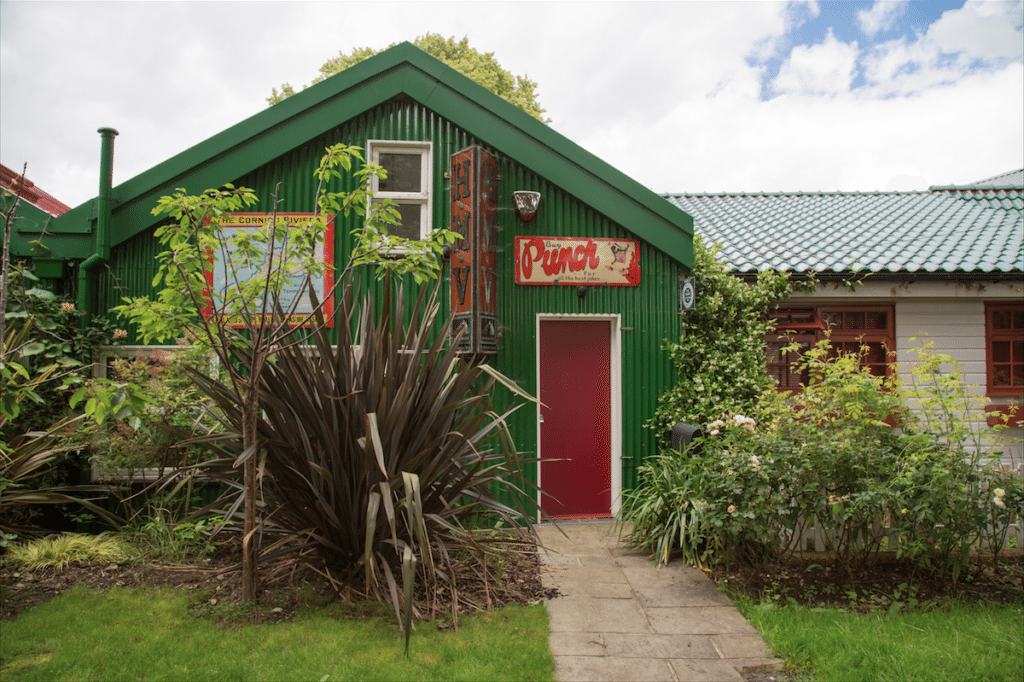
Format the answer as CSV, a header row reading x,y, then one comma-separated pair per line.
x,y
614,365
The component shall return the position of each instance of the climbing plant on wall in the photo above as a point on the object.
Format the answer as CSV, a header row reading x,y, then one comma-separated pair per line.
x,y
720,358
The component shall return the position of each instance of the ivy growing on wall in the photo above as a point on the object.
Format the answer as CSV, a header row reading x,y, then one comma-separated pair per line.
x,y
720,358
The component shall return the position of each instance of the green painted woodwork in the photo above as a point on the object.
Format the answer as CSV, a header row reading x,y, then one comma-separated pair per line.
x,y
403,94
648,312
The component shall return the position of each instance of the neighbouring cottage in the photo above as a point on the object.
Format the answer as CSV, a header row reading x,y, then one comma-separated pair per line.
x,y
572,300
944,265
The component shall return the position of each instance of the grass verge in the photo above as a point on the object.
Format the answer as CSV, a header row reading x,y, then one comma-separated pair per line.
x,y
963,642
151,634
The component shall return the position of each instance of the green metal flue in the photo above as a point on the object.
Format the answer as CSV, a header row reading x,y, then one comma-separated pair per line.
x,y
104,210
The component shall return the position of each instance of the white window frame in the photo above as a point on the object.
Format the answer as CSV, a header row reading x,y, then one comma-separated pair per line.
x,y
374,148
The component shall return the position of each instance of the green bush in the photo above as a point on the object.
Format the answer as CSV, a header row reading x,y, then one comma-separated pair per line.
x,y
145,398
833,461
52,342
719,360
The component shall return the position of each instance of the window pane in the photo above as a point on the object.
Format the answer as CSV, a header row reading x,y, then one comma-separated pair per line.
x,y
877,320
1000,351
1018,319
1018,375
853,321
403,173
1018,351
775,351
1000,319
1000,375
875,354
832,319
410,227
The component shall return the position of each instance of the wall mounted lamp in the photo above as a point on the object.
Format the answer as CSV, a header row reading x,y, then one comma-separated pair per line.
x,y
526,204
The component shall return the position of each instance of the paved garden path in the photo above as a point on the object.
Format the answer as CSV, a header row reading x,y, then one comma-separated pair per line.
x,y
619,617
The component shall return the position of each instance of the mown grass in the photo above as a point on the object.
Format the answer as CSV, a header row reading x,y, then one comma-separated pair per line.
x,y
147,634
960,642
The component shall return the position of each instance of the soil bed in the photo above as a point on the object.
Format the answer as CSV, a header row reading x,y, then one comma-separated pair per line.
x,y
815,582
217,586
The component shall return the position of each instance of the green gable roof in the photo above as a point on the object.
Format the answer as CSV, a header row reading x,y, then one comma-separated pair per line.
x,y
401,70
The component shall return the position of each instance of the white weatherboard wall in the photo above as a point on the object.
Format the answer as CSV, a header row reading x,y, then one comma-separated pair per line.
x,y
951,315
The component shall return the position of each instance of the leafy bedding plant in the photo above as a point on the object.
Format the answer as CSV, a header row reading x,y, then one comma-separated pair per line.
x,y
832,461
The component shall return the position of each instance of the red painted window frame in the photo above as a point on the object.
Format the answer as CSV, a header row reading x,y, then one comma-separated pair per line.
x,y
818,326
992,335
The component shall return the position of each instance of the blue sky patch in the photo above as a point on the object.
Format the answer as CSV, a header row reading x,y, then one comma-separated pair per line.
x,y
910,20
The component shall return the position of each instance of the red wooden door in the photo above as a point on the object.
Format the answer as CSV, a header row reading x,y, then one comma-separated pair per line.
x,y
575,389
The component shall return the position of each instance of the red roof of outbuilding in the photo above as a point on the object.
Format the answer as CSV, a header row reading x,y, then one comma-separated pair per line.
x,y
30,193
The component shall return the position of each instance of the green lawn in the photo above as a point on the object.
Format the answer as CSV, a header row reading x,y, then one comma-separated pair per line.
x,y
960,643
153,635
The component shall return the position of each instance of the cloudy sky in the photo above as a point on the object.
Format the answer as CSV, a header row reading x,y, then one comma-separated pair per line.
x,y
682,96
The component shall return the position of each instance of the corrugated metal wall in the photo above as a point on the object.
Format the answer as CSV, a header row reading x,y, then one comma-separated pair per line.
x,y
649,311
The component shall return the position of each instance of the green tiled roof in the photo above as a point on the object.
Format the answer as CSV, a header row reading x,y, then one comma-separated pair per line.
x,y
975,228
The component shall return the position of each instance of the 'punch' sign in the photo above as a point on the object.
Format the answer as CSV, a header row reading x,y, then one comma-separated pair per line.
x,y
578,261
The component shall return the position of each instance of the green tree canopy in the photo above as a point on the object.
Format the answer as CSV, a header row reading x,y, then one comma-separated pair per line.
x,y
483,68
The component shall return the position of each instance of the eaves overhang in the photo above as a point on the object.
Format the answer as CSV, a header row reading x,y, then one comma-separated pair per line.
x,y
401,70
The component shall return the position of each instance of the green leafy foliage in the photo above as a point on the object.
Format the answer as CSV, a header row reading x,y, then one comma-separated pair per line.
x,y
719,360
378,450
132,408
930,489
482,68
25,468
46,348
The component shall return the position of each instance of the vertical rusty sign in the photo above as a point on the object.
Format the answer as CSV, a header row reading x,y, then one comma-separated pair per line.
x,y
474,179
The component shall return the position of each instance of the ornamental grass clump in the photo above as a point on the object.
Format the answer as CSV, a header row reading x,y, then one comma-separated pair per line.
x,y
377,451
60,551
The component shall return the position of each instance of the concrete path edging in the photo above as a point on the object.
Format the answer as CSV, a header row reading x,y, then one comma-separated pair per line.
x,y
620,617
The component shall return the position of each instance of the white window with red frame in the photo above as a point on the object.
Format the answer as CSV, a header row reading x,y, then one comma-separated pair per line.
x,y
1004,359
870,329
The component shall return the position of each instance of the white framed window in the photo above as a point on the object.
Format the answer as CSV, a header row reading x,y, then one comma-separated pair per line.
x,y
410,168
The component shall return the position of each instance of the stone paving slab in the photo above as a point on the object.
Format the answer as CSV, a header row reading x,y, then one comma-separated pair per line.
x,y
589,669
621,617
582,614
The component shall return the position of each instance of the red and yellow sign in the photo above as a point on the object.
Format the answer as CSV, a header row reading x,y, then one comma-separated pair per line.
x,y
294,290
577,261
474,177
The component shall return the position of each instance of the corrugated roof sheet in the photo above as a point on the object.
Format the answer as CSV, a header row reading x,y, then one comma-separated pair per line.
x,y
30,193
944,230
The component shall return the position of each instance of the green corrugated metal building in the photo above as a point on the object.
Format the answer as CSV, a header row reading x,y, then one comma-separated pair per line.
x,y
590,348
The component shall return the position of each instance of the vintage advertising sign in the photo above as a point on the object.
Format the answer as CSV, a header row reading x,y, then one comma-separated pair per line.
x,y
217,272
578,261
474,179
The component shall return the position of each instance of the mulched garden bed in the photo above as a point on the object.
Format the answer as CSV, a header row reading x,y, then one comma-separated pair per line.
x,y
216,582
814,581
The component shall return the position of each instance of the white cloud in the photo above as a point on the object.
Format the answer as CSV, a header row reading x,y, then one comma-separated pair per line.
x,y
824,69
881,17
979,35
664,91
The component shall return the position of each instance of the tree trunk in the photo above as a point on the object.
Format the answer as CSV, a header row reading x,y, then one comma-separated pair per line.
x,y
250,575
